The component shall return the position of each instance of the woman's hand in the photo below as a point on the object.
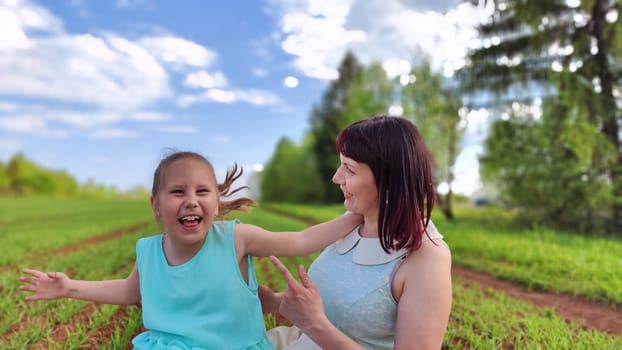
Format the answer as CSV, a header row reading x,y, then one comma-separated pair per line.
x,y
301,303
45,285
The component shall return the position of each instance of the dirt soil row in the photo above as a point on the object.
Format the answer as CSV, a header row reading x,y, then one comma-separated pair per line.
x,y
590,314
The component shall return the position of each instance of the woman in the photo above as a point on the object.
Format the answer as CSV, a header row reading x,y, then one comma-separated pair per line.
x,y
387,285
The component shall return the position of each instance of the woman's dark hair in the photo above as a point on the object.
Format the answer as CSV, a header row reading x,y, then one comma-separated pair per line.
x,y
224,189
402,166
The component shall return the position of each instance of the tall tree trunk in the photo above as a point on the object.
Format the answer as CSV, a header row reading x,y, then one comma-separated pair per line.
x,y
610,127
451,156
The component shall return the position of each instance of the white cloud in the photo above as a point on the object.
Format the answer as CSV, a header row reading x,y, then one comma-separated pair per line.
x,y
30,125
259,72
206,80
432,5
96,119
317,42
110,78
48,122
7,106
318,32
178,51
112,72
113,133
125,4
176,129
18,17
220,139
149,116
39,59
254,97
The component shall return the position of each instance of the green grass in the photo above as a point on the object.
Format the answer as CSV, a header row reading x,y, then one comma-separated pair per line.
x,y
486,319
32,231
539,259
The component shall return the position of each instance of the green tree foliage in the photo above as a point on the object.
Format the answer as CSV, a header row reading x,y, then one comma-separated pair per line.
x,y
5,181
371,93
291,175
434,109
543,168
569,55
26,177
93,189
359,93
327,120
22,176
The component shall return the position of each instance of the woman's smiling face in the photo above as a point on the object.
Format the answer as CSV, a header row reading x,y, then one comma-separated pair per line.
x,y
357,182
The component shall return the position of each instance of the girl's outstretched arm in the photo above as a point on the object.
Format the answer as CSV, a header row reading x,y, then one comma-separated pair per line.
x,y
256,241
56,285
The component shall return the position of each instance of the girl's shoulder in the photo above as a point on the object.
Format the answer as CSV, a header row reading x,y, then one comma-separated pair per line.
x,y
224,226
149,239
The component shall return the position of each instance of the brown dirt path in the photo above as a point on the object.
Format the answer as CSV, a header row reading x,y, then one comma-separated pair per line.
x,y
590,314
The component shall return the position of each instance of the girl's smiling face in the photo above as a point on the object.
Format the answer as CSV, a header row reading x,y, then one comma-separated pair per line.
x,y
187,201
357,182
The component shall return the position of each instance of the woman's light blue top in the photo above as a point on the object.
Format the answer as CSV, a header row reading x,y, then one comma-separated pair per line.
x,y
354,277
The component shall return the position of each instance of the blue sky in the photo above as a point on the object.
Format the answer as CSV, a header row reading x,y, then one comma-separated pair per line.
x,y
102,88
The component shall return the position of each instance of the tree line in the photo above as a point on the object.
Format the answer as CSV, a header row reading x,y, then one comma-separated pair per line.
x,y
548,73
23,177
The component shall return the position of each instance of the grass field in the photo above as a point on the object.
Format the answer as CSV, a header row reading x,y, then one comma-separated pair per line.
x,y
94,239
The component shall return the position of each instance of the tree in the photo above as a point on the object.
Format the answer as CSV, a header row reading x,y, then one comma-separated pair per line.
x,y
5,181
23,173
27,177
535,165
327,120
371,93
290,175
569,54
434,108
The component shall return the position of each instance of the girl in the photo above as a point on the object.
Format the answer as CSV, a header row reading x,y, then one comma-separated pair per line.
x,y
196,281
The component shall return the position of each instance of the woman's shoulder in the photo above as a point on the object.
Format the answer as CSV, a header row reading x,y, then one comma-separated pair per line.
x,y
425,268
433,256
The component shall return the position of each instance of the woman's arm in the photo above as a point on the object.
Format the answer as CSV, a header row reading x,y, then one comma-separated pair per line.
x,y
423,292
256,241
56,285
301,304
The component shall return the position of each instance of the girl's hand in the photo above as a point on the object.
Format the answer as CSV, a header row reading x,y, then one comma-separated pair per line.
x,y
301,303
45,285
270,300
